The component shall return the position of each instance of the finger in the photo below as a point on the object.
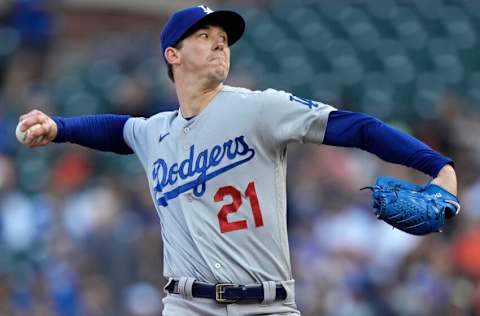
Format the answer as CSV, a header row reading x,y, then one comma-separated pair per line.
x,y
44,142
41,143
25,116
33,119
28,122
48,128
30,114
37,135
42,129
33,141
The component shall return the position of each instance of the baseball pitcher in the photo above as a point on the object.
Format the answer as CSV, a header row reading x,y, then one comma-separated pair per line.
x,y
216,169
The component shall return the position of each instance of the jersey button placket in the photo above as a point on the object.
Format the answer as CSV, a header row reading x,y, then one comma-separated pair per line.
x,y
186,130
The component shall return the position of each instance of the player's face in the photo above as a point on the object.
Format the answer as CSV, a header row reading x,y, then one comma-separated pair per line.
x,y
206,52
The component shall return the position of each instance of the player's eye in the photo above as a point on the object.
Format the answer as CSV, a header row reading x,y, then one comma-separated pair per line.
x,y
203,35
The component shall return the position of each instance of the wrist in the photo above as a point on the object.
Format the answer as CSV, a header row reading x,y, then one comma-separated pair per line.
x,y
53,130
447,179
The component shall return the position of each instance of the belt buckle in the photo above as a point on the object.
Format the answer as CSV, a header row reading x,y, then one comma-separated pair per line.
x,y
220,290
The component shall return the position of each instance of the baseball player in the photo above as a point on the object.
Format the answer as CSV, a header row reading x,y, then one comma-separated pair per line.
x,y
216,168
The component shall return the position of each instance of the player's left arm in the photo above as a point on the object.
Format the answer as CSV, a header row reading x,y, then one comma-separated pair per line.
x,y
353,129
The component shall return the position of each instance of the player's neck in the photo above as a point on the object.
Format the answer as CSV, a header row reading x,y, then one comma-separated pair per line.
x,y
193,99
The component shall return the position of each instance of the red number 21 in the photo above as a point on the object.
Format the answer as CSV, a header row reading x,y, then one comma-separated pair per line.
x,y
251,193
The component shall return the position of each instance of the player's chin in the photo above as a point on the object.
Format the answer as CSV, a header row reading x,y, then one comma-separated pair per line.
x,y
220,73
218,63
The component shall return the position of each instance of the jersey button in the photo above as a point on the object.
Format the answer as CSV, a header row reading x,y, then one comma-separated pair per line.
x,y
218,265
186,147
186,129
189,198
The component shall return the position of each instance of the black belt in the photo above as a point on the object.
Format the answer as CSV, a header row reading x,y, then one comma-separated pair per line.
x,y
228,292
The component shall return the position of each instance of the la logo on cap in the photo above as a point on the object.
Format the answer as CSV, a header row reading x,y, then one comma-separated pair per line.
x,y
205,9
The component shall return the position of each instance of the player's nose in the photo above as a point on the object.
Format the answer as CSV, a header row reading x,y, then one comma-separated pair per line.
x,y
219,43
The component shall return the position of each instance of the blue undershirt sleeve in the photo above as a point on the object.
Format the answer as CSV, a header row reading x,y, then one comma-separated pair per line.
x,y
100,132
352,129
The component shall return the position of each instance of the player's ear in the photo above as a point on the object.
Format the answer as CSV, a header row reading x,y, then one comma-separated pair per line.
x,y
171,55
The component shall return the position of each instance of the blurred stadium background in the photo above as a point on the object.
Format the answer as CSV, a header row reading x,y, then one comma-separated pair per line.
x,y
78,232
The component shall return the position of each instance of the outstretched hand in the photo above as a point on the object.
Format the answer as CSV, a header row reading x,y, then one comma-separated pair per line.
x,y
36,128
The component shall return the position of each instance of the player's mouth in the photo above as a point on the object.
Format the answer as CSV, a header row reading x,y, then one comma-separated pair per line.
x,y
220,57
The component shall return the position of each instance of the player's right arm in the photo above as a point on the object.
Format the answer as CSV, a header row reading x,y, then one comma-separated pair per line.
x,y
100,132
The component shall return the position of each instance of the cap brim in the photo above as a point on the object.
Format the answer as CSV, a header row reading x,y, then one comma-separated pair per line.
x,y
230,21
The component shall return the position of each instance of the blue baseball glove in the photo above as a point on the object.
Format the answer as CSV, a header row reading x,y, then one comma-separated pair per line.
x,y
414,209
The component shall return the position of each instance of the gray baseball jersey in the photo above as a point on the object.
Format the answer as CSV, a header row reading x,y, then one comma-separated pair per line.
x,y
218,182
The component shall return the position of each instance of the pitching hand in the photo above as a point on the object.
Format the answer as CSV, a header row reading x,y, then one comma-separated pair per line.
x,y
36,129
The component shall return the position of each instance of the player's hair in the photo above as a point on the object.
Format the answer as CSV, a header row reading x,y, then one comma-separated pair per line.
x,y
179,45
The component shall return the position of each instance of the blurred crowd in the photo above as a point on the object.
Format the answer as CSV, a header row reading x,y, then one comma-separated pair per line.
x,y
79,235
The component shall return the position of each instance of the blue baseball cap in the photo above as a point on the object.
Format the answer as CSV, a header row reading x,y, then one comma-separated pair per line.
x,y
184,20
